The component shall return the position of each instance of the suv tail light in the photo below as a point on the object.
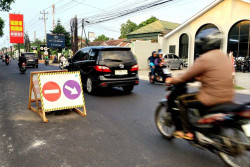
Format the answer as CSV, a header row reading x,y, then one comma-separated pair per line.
x,y
102,69
135,68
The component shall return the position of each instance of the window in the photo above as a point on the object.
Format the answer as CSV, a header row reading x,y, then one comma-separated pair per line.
x,y
183,46
198,51
239,39
93,54
85,55
176,57
170,56
77,56
172,49
116,55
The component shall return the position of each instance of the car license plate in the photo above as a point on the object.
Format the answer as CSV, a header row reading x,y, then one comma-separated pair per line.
x,y
30,60
246,129
121,72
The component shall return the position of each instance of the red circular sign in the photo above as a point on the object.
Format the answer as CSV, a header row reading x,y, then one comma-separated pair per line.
x,y
51,91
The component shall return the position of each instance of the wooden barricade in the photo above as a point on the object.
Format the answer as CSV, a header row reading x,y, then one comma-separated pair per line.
x,y
35,95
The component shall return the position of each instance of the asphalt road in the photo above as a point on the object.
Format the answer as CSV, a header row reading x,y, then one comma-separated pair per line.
x,y
119,130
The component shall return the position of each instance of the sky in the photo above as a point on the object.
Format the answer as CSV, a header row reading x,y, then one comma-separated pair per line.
x,y
177,11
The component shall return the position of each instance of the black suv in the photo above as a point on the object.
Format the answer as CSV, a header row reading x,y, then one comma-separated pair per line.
x,y
102,66
32,59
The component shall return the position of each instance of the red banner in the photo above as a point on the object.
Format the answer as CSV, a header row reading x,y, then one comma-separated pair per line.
x,y
16,28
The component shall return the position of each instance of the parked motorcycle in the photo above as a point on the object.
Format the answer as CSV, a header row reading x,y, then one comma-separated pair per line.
x,y
47,62
161,77
246,66
225,131
7,61
22,68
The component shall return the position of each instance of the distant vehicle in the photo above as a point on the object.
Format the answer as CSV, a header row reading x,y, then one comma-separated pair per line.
x,y
22,68
102,66
173,61
32,59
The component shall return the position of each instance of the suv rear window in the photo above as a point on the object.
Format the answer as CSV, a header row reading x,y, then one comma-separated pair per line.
x,y
116,55
30,55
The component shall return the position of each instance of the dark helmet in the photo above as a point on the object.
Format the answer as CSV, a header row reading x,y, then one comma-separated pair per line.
x,y
208,39
22,54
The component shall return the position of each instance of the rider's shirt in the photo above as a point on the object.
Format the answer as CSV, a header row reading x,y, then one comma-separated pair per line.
x,y
214,70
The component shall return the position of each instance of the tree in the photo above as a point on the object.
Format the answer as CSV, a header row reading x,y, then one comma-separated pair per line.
x,y
148,21
127,28
131,26
5,7
1,27
102,38
59,29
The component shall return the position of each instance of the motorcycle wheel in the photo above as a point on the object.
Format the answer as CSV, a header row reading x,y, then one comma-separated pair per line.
x,y
242,159
164,123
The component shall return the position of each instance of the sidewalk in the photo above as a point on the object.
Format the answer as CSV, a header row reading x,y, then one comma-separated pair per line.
x,y
241,79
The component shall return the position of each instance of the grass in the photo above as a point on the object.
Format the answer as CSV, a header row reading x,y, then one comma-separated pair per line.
x,y
239,88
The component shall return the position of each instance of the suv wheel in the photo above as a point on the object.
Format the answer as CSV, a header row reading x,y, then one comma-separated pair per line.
x,y
89,86
128,89
181,67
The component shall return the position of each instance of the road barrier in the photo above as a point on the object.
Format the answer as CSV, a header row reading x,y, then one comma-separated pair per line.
x,y
56,90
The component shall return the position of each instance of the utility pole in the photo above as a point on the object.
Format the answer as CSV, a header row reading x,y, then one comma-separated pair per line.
x,y
53,7
34,36
44,19
75,35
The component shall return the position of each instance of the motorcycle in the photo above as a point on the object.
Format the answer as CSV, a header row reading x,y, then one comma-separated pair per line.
x,y
7,61
46,62
161,77
22,68
63,64
225,131
246,66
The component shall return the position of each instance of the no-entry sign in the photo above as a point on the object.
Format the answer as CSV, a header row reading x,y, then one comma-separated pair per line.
x,y
51,91
61,90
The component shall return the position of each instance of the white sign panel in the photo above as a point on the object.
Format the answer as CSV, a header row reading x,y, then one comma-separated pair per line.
x,y
62,90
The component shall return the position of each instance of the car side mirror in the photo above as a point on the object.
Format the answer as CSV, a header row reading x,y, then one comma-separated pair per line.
x,y
69,60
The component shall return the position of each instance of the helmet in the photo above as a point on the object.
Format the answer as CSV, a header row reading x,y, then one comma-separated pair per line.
x,y
208,39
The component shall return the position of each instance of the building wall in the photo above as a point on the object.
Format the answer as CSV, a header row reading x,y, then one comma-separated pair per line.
x,y
224,16
142,50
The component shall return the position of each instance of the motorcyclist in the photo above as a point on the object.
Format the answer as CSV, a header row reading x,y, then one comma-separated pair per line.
x,y
22,59
158,64
7,56
152,65
214,70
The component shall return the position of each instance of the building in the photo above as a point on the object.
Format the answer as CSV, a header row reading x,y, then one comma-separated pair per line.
x,y
152,31
231,17
117,42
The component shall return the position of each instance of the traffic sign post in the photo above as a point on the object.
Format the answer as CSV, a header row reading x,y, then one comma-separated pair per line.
x,y
56,90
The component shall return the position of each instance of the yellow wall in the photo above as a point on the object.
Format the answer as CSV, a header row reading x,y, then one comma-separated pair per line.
x,y
224,16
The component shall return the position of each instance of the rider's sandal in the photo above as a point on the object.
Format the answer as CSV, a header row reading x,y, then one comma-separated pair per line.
x,y
179,134
188,136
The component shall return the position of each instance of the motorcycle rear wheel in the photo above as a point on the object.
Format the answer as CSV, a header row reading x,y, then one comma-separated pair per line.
x,y
241,160
163,121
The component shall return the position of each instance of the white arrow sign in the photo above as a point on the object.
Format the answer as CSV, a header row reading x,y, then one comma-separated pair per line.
x,y
72,90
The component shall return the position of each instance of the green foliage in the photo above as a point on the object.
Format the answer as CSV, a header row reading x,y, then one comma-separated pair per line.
x,y
131,26
1,27
148,21
59,29
102,38
126,28
5,5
